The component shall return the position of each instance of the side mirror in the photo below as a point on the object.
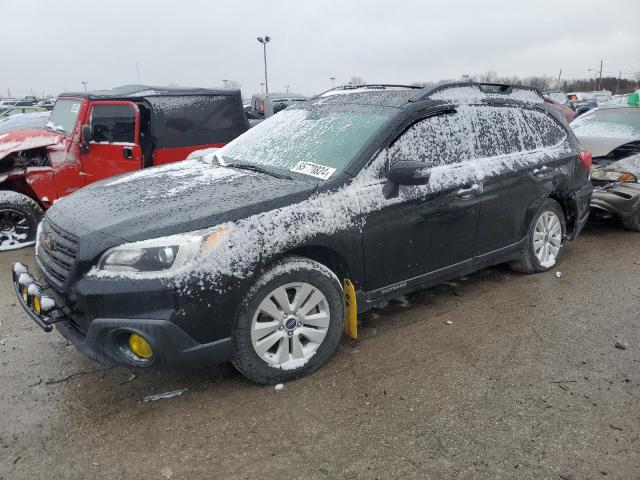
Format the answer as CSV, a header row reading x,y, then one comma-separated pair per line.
x,y
409,172
85,138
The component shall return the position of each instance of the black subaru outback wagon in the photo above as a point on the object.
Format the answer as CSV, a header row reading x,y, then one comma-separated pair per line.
x,y
261,252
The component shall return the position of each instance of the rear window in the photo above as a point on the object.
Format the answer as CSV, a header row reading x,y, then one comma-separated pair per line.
x,y
187,120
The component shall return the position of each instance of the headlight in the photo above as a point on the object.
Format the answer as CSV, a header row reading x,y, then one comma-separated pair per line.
x,y
161,254
608,175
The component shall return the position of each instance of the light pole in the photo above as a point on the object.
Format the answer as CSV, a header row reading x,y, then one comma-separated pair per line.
x,y
287,87
333,81
261,87
264,42
84,84
226,83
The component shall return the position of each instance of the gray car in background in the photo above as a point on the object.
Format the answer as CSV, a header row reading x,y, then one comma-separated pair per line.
x,y
612,135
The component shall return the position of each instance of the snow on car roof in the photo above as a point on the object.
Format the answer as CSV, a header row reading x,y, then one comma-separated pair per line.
x,y
148,91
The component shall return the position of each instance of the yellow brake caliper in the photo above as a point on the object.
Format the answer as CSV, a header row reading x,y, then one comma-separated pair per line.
x,y
351,322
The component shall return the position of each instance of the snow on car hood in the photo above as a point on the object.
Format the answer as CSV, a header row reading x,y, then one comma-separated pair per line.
x,y
174,198
629,164
20,140
602,146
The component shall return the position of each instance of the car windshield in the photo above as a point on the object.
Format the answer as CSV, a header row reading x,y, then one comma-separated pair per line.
x,y
64,114
324,136
609,122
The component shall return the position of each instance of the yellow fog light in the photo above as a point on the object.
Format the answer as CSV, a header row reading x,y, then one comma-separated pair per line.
x,y
140,346
37,307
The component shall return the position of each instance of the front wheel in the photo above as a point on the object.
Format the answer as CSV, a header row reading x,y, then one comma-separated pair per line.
x,y
19,218
632,221
545,239
290,322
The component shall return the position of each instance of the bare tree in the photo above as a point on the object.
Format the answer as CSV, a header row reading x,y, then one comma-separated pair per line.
x,y
488,77
234,84
356,81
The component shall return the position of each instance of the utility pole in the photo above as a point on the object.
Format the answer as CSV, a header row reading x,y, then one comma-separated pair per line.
x,y
261,87
264,42
618,83
333,79
287,87
559,76
226,82
600,84
84,84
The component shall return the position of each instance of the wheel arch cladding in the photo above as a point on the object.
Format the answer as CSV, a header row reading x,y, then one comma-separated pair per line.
x,y
327,257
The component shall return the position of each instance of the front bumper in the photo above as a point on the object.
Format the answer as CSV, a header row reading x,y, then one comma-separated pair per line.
x,y
105,339
619,200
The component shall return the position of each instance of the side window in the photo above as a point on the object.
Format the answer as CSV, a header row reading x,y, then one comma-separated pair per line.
x,y
498,131
545,130
439,140
113,124
508,130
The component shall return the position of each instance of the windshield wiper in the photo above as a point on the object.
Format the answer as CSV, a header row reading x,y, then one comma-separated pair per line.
x,y
256,168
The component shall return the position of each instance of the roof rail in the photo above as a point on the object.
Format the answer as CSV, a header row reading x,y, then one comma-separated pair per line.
x,y
369,86
479,90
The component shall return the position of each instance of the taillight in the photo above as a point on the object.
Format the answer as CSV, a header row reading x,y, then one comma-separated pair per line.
x,y
585,158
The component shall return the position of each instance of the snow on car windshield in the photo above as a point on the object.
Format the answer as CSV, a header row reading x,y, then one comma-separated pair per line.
x,y
322,135
64,114
609,123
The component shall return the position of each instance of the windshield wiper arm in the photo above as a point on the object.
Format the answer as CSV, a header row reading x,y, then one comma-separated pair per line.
x,y
256,168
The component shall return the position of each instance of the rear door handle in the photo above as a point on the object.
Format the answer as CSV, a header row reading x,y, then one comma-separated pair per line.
x,y
84,174
467,192
127,152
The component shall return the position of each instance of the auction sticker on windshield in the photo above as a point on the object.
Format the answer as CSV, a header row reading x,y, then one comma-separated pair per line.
x,y
313,169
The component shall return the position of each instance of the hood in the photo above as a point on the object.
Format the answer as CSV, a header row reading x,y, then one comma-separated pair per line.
x,y
21,140
602,146
175,198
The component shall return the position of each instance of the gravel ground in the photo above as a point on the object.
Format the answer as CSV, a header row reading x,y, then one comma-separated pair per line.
x,y
526,382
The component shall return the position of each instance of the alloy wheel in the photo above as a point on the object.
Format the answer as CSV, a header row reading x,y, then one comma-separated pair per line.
x,y
547,238
15,227
290,324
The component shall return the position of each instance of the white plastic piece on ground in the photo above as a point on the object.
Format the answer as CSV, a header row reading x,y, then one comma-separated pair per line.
x,y
558,274
160,396
279,387
449,322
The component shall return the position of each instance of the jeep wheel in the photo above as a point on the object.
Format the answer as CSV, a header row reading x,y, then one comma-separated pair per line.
x,y
290,322
545,239
19,218
632,221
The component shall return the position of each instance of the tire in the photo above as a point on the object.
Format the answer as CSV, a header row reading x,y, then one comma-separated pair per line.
x,y
552,240
271,348
632,221
19,218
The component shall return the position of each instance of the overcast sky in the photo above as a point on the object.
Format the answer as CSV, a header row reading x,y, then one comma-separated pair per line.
x,y
51,46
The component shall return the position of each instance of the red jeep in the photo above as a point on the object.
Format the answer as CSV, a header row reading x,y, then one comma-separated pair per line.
x,y
94,135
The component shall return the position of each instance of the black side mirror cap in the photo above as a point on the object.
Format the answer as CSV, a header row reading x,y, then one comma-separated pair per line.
x,y
85,138
409,172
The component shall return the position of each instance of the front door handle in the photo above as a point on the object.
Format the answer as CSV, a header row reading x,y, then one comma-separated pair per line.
x,y
127,152
467,192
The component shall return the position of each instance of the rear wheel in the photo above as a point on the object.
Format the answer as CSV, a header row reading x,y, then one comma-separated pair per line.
x,y
544,239
632,221
19,218
290,322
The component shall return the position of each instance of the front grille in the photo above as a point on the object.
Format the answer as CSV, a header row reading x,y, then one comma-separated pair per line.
x,y
57,251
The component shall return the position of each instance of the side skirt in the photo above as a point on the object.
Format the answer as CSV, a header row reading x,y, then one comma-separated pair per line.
x,y
368,300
